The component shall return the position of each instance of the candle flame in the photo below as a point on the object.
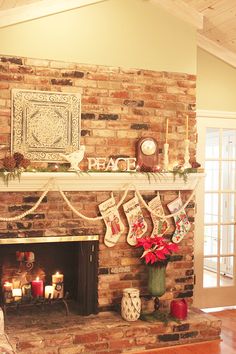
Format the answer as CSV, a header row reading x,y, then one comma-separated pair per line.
x,y
37,278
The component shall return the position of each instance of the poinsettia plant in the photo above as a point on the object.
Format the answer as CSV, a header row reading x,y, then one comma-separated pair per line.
x,y
157,250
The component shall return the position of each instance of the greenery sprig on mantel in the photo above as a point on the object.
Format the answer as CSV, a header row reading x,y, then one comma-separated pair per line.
x,y
182,173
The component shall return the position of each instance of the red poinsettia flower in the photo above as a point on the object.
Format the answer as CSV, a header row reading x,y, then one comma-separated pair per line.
x,y
156,249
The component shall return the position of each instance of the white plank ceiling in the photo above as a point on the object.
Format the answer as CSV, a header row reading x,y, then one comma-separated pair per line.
x,y
219,21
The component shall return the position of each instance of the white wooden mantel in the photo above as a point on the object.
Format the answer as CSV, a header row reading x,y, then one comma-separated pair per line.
x,y
99,181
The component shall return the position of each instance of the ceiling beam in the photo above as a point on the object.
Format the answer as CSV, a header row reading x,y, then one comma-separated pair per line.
x,y
40,9
182,10
217,50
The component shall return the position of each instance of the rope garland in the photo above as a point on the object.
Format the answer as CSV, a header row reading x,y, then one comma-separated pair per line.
x,y
162,217
21,216
87,217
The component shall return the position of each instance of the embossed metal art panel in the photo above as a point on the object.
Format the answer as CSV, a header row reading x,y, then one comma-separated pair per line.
x,y
45,124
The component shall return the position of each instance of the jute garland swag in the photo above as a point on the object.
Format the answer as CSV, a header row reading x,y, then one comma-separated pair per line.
x,y
127,189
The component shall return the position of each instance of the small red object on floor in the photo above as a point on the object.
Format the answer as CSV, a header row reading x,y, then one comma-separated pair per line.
x,y
179,309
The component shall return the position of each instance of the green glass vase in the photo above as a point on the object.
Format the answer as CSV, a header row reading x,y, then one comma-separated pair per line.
x,y
157,280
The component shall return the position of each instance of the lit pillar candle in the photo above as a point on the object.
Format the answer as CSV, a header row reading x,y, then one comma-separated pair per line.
x,y
37,287
7,286
57,282
48,291
7,290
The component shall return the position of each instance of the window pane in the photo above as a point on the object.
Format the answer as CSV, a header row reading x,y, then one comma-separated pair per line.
x,y
229,144
209,274
212,143
226,271
211,207
227,239
212,175
210,240
227,207
228,181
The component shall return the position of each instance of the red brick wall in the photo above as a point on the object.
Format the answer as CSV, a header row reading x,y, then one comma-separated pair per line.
x,y
119,106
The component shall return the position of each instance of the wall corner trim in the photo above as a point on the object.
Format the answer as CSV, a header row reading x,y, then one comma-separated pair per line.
x,y
215,114
216,50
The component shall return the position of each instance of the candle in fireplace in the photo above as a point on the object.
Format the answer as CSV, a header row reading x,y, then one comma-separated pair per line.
x,y
37,287
57,282
7,292
17,294
48,291
7,286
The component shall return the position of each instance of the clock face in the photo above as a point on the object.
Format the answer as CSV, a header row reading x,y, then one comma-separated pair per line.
x,y
148,147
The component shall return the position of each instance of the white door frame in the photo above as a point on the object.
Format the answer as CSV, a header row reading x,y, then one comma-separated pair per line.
x,y
200,296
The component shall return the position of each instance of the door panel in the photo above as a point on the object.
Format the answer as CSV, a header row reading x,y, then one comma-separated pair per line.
x,y
215,236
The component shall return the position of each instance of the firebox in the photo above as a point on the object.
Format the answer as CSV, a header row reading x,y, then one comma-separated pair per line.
x,y
68,265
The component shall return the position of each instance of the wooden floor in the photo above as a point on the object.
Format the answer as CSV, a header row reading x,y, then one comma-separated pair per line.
x,y
226,346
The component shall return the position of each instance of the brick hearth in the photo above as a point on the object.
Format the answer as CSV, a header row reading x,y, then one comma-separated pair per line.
x,y
104,333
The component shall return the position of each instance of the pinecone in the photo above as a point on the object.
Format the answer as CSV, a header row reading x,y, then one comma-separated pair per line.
x,y
24,163
18,158
9,163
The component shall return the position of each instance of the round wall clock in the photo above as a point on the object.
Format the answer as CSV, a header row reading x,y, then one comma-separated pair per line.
x,y
148,147
147,154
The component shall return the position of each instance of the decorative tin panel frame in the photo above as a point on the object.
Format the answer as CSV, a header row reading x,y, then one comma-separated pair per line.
x,y
45,124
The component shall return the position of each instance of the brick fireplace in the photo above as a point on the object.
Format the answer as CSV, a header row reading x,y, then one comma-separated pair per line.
x,y
119,267
119,106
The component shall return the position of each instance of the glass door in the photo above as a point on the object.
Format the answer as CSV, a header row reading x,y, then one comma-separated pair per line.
x,y
215,225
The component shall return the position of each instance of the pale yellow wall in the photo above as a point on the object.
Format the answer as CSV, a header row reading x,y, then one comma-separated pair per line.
x,y
216,83
129,33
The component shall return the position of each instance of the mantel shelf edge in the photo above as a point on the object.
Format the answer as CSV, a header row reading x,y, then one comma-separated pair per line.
x,y
99,181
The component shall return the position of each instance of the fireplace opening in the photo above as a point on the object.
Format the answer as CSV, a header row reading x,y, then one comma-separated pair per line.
x,y
34,272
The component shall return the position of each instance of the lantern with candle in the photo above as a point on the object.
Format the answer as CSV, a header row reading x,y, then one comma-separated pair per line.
x,y
37,287
58,285
26,291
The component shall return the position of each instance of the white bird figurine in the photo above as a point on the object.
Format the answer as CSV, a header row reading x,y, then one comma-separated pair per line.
x,y
75,158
